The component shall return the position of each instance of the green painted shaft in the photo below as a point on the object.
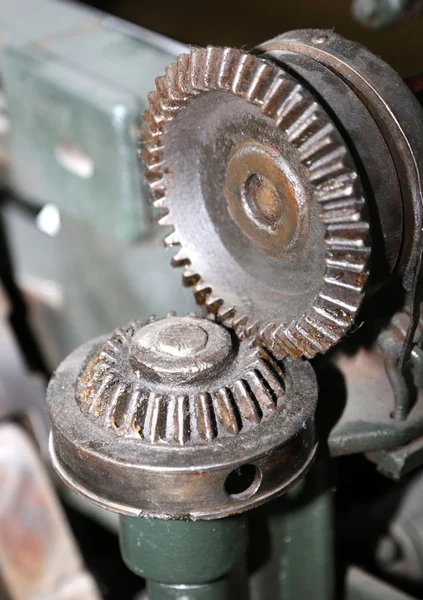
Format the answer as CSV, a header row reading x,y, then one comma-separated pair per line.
x,y
292,558
177,556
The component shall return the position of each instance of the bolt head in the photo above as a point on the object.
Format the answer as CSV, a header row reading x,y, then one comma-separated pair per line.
x,y
181,348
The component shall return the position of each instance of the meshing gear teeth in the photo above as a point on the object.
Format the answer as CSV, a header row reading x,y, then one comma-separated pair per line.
x,y
329,173
113,394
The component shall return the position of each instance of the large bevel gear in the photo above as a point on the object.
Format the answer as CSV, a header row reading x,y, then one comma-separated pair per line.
x,y
263,196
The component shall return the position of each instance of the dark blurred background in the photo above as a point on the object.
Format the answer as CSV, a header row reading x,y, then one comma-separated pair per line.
x,y
247,23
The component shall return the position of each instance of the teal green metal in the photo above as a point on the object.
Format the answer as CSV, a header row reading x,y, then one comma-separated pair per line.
x,y
76,95
290,553
293,556
180,556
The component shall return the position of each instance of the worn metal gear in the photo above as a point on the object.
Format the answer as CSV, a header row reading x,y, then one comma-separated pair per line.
x,y
161,418
263,196
219,392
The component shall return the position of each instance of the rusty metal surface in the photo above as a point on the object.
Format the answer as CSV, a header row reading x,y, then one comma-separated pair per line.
x,y
38,556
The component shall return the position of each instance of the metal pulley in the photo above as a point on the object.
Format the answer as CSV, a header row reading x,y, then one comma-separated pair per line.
x,y
290,176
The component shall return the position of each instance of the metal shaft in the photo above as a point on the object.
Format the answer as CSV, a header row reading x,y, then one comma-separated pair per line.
x,y
293,557
184,559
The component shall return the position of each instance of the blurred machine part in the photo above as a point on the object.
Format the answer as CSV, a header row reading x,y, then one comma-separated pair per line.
x,y
378,14
38,554
65,211
73,140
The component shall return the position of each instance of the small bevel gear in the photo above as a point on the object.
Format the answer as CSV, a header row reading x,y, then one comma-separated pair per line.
x,y
219,387
160,418
263,197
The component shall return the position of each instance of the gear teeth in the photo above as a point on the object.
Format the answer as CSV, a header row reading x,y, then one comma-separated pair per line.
x,y
240,323
281,344
154,416
171,240
198,69
324,329
97,399
343,211
290,109
301,340
113,400
341,311
316,143
177,420
159,114
225,313
117,400
246,402
163,96
164,220
228,63
275,94
315,335
252,329
124,417
183,63
304,122
354,261
212,65
180,259
258,84
201,292
331,172
174,90
225,411
189,277
204,417
243,73
260,392
213,304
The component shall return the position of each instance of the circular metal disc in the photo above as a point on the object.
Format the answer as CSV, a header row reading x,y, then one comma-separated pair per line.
x,y
263,198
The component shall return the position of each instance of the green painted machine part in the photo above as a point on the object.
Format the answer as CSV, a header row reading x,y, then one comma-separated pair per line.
x,y
294,555
291,557
75,93
192,559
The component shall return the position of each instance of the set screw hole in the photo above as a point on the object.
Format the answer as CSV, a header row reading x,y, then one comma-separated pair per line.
x,y
243,482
